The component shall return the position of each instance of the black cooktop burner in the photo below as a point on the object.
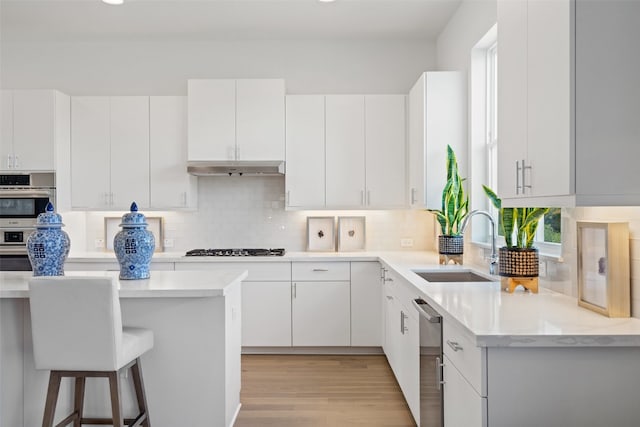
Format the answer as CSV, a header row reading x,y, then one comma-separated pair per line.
x,y
235,252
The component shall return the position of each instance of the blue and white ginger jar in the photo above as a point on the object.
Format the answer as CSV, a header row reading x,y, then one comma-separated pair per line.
x,y
134,245
48,246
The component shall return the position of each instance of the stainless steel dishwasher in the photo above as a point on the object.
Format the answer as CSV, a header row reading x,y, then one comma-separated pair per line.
x,y
431,411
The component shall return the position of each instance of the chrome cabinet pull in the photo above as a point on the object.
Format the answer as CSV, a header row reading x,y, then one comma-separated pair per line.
x,y
362,198
517,176
401,322
439,381
413,196
389,297
524,177
9,162
16,161
454,345
320,269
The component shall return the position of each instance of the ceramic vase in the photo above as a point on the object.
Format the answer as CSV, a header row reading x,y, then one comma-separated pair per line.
x,y
518,262
450,245
48,246
134,245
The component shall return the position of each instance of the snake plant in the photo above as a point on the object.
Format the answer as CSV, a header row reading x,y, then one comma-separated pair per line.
x,y
455,202
523,220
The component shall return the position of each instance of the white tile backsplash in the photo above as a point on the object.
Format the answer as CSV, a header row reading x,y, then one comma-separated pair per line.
x,y
249,212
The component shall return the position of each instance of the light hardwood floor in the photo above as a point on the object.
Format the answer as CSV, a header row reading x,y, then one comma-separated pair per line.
x,y
320,391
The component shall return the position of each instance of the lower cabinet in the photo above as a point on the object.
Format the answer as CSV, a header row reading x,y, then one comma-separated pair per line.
x,y
366,304
321,314
463,406
266,314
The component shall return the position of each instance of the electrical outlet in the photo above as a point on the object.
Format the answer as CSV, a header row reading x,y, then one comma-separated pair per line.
x,y
168,243
98,243
406,243
542,269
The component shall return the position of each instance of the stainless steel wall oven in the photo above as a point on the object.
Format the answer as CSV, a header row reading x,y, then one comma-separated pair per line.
x,y
22,198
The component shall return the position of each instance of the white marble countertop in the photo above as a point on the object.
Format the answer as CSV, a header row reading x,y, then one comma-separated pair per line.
x,y
490,316
161,284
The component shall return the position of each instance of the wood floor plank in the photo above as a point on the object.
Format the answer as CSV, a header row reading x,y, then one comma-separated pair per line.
x,y
320,391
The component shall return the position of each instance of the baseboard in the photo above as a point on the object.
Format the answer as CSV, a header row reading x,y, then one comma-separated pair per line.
x,y
312,350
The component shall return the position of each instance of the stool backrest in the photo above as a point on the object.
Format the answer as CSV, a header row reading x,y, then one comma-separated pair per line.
x,y
76,323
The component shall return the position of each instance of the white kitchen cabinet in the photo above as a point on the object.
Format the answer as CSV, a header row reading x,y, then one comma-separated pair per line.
x,y
437,118
170,184
305,158
463,406
345,151
320,314
34,123
385,142
266,314
534,97
109,152
236,119
321,304
366,304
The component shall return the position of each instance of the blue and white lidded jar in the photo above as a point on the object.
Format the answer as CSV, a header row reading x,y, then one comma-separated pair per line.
x,y
134,245
48,246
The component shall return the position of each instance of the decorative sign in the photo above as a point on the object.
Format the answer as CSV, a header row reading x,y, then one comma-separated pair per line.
x,y
603,268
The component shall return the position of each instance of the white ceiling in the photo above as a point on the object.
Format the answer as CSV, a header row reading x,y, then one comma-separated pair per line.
x,y
91,20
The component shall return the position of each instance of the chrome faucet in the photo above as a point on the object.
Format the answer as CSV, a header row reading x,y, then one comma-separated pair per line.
x,y
493,265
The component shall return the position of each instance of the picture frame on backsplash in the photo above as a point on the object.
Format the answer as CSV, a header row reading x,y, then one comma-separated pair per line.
x,y
351,233
321,233
112,226
603,268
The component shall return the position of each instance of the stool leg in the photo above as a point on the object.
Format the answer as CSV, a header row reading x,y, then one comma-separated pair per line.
x,y
116,406
52,399
138,385
78,406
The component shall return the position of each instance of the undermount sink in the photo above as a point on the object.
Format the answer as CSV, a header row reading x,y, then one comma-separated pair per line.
x,y
452,276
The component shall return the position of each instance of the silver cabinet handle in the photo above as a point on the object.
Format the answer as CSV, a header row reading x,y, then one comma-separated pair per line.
x,y
439,381
388,279
524,177
389,297
413,196
9,161
454,345
517,176
16,161
320,269
403,317
362,197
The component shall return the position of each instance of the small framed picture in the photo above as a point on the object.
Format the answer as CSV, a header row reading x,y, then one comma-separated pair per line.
x,y
321,233
351,233
603,268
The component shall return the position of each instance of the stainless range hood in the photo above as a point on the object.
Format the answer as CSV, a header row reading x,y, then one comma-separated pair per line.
x,y
238,168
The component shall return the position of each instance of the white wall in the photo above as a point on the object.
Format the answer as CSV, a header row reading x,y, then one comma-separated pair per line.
x,y
162,68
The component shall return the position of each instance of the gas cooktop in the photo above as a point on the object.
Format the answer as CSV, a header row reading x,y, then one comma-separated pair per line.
x,y
235,252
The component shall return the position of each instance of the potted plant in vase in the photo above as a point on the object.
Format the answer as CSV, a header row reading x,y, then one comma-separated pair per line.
x,y
455,203
518,260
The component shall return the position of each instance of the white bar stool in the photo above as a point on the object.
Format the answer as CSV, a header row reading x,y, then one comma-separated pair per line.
x,y
77,332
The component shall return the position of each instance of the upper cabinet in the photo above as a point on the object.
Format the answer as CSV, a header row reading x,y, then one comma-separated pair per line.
x,y
568,102
170,184
33,124
437,118
236,119
109,152
345,151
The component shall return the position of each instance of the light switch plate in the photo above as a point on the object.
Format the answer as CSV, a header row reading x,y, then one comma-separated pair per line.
x,y
406,243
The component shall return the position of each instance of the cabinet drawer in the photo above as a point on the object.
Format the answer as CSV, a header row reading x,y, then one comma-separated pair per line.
x,y
258,271
320,271
469,359
402,291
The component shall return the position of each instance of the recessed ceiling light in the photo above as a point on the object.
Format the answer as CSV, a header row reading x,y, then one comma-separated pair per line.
x,y
113,2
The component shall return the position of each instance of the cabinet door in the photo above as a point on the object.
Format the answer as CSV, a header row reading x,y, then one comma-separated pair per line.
x,y
90,153
549,98
366,304
266,314
260,119
417,143
305,163
6,129
512,95
463,407
33,129
170,184
409,362
129,151
345,151
320,313
211,119
385,150
392,329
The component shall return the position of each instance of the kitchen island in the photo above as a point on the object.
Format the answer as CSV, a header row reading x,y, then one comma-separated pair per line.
x,y
192,374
